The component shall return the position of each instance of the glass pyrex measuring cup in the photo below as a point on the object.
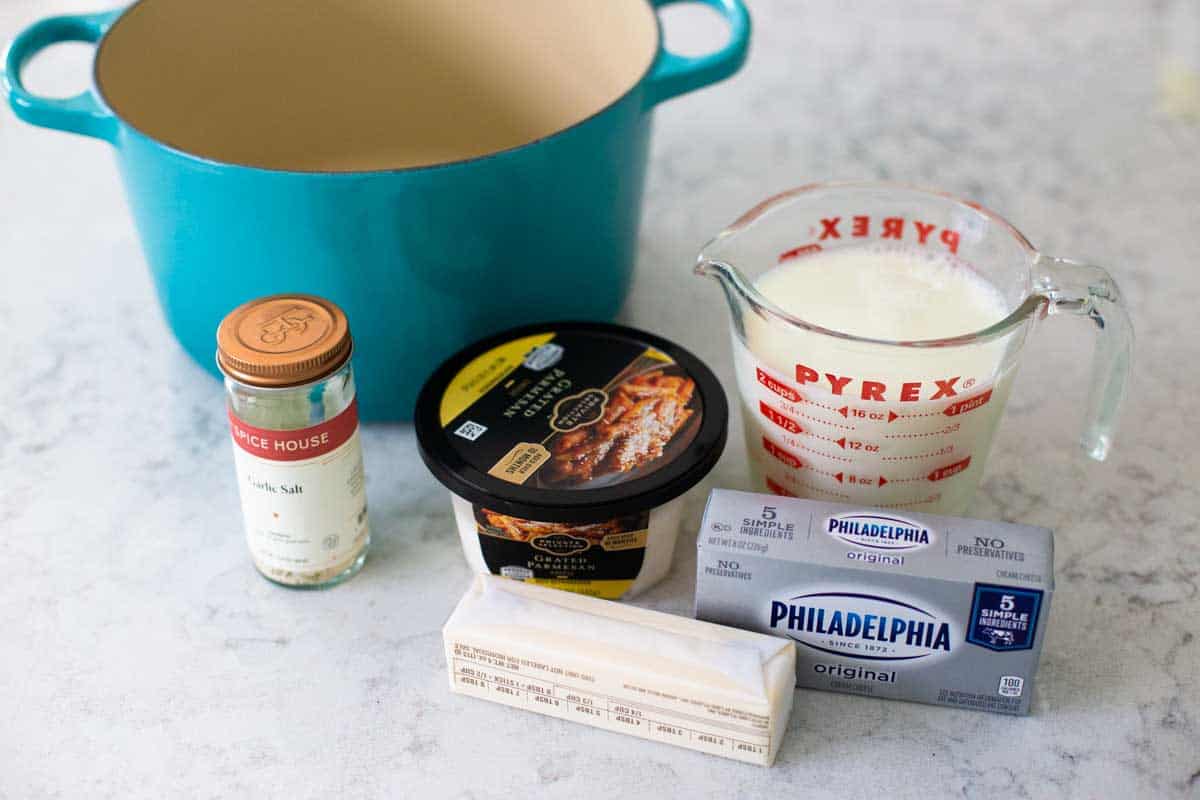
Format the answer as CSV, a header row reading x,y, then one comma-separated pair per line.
x,y
897,424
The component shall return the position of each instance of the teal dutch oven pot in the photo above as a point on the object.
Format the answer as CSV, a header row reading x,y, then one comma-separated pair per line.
x,y
424,257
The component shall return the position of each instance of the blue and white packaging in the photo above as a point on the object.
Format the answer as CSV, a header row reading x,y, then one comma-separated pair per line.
x,y
897,605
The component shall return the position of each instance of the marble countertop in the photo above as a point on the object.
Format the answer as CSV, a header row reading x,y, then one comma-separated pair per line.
x,y
142,656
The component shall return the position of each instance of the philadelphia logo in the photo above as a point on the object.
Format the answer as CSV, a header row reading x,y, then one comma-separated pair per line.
x,y
862,626
879,532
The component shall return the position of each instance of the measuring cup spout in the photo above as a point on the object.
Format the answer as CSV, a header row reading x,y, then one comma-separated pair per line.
x,y
732,283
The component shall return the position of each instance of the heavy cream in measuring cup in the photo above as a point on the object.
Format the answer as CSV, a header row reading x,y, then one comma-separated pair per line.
x,y
884,293
846,420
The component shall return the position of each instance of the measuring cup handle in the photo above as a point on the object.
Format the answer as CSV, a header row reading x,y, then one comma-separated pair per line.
x,y
1076,288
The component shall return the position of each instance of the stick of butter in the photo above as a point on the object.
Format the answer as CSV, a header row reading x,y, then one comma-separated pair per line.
x,y
649,674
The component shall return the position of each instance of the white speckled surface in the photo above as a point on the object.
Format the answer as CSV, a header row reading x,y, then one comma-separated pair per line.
x,y
142,656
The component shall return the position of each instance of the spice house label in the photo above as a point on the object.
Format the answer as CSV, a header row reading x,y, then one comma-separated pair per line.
x,y
295,445
303,497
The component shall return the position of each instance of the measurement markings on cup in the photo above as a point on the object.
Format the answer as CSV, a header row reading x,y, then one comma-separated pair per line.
x,y
870,414
827,422
864,436
794,461
943,432
933,498
819,405
777,488
792,426
943,451
889,416
779,418
823,454
785,390
850,444
941,473
823,490
835,475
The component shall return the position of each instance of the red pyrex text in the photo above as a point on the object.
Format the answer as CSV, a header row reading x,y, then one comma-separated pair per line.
x,y
859,227
880,391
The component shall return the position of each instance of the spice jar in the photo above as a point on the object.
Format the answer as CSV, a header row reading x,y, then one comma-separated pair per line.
x,y
294,421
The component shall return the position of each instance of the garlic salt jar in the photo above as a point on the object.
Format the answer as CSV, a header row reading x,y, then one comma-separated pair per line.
x,y
567,448
294,420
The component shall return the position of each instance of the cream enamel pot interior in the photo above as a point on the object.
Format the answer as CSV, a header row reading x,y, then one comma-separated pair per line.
x,y
439,170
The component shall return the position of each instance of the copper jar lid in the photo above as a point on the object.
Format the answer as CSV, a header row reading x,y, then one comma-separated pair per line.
x,y
283,340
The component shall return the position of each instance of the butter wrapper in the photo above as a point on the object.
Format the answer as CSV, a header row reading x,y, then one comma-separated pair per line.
x,y
645,673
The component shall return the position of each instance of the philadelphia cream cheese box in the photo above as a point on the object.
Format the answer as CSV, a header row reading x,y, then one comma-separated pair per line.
x,y
889,604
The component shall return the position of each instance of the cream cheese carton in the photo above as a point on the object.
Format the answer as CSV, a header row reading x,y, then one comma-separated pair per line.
x,y
898,605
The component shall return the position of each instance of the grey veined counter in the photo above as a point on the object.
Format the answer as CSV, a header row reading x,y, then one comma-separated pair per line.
x,y
144,657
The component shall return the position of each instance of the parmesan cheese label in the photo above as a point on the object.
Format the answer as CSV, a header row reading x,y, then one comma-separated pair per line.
x,y
571,411
601,559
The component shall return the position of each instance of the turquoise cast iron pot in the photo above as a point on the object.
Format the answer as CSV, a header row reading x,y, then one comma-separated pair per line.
x,y
424,260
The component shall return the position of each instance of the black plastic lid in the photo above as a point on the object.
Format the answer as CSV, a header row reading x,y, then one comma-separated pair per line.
x,y
517,401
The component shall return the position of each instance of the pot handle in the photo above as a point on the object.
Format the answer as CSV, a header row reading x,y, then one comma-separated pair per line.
x,y
84,113
675,75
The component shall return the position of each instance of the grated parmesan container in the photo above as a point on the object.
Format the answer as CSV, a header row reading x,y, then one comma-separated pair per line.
x,y
567,449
